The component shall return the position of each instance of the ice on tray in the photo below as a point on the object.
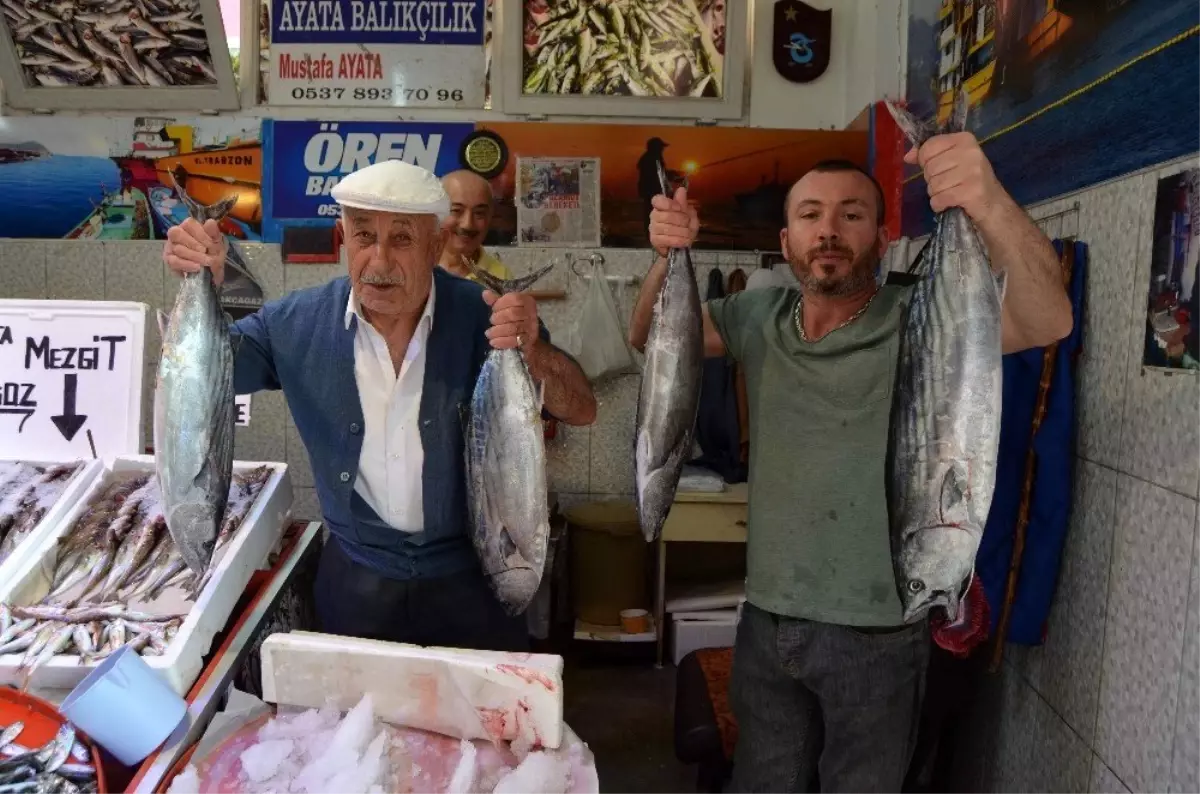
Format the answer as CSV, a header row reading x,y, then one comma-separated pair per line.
x,y
319,750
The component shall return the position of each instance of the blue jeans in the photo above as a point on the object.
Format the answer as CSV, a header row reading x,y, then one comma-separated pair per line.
x,y
816,701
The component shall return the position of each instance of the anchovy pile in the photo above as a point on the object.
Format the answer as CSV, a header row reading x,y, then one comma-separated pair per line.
x,y
62,766
118,552
26,493
111,42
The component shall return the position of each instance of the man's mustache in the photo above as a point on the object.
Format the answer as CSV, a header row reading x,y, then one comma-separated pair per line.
x,y
381,281
825,249
467,234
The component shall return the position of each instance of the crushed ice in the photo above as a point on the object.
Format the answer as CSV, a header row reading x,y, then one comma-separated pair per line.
x,y
320,751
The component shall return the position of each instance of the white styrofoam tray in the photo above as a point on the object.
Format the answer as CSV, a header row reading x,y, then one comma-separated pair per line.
x,y
83,477
182,662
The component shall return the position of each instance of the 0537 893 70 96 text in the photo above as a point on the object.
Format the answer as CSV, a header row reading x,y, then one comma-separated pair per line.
x,y
385,94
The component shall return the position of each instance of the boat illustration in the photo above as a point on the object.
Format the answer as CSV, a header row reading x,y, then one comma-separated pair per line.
x,y
214,173
169,211
162,149
120,215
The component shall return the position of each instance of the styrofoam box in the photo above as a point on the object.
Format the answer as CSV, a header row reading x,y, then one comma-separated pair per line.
x,y
692,635
182,662
123,427
83,477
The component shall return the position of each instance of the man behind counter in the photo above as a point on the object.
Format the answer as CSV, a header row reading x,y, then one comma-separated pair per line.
x,y
471,208
375,366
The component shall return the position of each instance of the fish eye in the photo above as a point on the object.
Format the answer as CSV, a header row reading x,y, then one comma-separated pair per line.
x,y
915,585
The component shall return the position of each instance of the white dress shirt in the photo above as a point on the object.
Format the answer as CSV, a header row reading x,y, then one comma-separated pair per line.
x,y
392,457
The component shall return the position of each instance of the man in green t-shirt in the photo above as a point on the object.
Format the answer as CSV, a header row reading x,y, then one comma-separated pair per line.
x,y
827,679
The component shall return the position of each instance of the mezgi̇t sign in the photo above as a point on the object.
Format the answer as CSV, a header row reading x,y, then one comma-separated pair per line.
x,y
70,378
386,53
801,39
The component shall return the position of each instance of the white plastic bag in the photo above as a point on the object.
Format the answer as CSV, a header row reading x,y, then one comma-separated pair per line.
x,y
597,341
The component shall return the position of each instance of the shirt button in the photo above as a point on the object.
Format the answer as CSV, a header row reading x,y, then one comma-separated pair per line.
x,y
344,476
354,427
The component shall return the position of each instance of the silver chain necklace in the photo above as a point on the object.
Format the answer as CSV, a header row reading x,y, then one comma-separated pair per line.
x,y
796,318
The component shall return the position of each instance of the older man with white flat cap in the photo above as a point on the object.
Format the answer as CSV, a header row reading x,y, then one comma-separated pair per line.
x,y
376,367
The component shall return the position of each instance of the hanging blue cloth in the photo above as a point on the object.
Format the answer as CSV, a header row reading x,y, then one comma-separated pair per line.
x,y
717,429
1051,493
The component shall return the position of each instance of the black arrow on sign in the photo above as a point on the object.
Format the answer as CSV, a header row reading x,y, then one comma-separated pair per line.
x,y
69,422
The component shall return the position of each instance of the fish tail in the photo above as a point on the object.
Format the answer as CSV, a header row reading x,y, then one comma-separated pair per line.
x,y
201,212
504,286
916,130
958,115
662,178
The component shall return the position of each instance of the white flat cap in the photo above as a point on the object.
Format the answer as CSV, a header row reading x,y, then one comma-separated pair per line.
x,y
393,186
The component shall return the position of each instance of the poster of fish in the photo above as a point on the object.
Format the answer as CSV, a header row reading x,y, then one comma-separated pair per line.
x,y
1173,308
124,42
111,179
644,48
737,177
1063,93
79,54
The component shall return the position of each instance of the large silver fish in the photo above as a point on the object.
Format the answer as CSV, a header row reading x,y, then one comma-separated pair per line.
x,y
945,422
506,469
669,396
194,409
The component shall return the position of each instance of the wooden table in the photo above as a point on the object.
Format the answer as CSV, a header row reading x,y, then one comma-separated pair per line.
x,y
697,518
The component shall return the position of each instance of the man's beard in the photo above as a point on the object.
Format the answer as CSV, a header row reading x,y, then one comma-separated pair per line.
x,y
861,275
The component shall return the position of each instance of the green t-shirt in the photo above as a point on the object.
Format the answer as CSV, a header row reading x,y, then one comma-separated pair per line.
x,y
818,544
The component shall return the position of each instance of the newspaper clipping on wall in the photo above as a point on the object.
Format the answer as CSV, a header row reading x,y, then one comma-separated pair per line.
x,y
558,202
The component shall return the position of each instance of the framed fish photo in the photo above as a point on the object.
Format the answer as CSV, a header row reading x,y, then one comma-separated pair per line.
x,y
647,58
120,55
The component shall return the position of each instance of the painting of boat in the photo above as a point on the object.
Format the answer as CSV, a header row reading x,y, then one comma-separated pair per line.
x,y
120,215
214,173
169,211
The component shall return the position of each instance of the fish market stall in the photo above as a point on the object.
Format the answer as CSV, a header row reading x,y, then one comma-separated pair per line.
x,y
362,715
110,575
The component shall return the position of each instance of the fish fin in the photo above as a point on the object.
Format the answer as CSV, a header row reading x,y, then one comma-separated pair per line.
x,y
235,262
1002,285
164,322
235,343
919,266
503,287
916,130
953,496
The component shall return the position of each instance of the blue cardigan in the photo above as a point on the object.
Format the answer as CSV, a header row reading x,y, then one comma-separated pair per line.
x,y
300,344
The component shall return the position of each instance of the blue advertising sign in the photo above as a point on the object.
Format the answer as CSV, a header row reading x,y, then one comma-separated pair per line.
x,y
304,160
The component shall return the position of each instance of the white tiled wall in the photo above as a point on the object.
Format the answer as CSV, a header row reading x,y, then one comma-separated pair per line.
x,y
1109,702
582,461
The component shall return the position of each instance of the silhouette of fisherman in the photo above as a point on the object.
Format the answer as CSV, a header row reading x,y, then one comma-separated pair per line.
x,y
647,165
